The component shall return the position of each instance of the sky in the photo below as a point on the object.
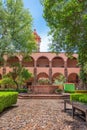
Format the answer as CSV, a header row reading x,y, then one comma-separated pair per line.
x,y
39,23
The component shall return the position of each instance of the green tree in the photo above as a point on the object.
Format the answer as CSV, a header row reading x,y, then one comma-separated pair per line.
x,y
15,28
18,76
67,20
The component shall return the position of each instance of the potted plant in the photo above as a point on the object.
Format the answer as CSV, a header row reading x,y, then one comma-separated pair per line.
x,y
43,81
59,81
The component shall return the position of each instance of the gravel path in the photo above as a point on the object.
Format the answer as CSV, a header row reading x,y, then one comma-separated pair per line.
x,y
39,114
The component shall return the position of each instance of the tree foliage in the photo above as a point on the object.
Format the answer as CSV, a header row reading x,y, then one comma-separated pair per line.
x,y
18,76
15,28
67,20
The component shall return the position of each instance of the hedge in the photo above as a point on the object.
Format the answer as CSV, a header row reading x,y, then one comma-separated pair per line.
x,y
79,97
7,99
80,91
21,90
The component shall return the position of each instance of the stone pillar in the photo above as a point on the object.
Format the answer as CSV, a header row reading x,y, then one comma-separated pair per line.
x,y
4,65
50,72
4,70
35,73
65,70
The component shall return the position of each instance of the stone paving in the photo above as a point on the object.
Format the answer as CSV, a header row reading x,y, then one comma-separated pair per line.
x,y
39,114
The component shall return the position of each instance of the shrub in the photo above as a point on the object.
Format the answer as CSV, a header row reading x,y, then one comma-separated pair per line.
x,y
8,90
43,81
7,99
80,91
79,97
58,90
83,99
59,80
6,81
22,90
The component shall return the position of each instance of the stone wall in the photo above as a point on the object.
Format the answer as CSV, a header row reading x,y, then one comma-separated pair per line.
x,y
43,89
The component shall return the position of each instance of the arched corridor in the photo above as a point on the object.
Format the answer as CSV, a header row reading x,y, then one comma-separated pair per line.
x,y
57,62
42,62
28,62
56,76
72,62
13,60
42,75
73,78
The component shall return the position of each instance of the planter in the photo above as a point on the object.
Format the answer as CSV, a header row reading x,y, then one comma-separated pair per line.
x,y
44,89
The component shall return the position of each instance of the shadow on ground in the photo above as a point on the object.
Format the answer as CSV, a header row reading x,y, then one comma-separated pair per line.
x,y
6,110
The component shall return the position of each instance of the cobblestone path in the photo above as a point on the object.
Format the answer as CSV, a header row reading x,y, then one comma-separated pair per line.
x,y
39,114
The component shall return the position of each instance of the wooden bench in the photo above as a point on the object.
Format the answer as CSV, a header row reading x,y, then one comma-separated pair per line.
x,y
77,108
80,107
67,101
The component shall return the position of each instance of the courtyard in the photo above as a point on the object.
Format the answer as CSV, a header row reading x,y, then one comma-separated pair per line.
x,y
39,114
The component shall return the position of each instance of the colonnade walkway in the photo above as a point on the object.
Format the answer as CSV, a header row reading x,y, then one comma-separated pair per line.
x,y
39,114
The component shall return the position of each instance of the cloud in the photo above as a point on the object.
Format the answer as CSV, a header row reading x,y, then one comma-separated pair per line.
x,y
45,41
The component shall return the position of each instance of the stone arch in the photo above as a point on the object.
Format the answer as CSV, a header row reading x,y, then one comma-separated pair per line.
x,y
12,60
73,78
42,62
28,61
42,75
72,62
56,75
57,62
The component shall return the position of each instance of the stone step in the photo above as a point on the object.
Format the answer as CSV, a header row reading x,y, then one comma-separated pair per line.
x,y
42,96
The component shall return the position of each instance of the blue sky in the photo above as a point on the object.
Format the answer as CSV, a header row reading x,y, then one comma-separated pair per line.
x,y
39,23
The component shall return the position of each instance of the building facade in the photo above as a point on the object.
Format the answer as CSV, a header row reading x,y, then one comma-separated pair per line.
x,y
45,64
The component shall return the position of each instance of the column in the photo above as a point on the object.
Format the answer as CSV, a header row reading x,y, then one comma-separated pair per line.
x,y
4,65
65,70
35,73
50,72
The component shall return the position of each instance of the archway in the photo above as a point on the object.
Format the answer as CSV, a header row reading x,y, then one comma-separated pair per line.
x,y
42,75
73,78
42,62
57,62
72,62
55,76
28,62
12,60
42,78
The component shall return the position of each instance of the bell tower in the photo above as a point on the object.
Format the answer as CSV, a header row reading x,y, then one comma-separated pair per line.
x,y
38,40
